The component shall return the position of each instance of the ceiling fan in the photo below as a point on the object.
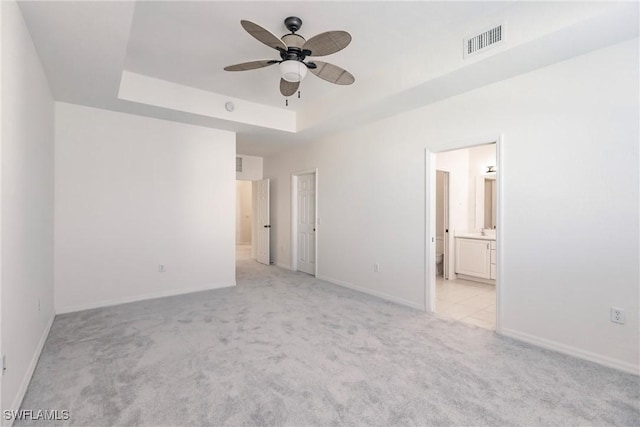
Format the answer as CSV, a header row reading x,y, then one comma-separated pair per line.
x,y
294,49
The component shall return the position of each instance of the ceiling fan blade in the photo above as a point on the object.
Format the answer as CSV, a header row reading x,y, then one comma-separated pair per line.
x,y
250,65
263,35
288,88
332,73
327,43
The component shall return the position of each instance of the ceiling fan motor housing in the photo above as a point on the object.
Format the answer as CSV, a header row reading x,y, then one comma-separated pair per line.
x,y
293,40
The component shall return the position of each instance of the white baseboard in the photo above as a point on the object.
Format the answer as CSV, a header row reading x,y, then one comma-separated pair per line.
x,y
17,401
382,295
572,351
118,301
283,265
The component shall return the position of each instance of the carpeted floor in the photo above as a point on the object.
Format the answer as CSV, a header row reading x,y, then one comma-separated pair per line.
x,y
283,348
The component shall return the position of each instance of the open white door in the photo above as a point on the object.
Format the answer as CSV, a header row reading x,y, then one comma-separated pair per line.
x,y
445,248
307,223
263,231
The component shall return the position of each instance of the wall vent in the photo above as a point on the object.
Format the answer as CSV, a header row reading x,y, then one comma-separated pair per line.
x,y
238,164
483,40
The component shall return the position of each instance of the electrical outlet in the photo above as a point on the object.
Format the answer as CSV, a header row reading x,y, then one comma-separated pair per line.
x,y
376,268
4,363
161,269
617,315
38,304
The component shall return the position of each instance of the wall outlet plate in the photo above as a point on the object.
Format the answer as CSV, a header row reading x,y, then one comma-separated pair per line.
x,y
617,315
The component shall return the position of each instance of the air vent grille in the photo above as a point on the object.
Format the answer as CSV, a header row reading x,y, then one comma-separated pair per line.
x,y
238,164
483,41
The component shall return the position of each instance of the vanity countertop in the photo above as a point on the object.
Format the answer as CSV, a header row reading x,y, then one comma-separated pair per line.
x,y
475,236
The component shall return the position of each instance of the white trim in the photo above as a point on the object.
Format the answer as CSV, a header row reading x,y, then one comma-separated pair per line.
x,y
118,301
283,265
430,235
500,176
294,218
381,295
32,367
572,351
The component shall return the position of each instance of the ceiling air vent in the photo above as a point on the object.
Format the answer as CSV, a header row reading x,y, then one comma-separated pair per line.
x,y
238,164
484,40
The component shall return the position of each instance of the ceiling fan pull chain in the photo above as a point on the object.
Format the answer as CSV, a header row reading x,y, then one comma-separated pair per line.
x,y
298,94
286,102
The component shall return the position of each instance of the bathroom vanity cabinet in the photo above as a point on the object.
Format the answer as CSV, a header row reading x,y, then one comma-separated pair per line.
x,y
476,258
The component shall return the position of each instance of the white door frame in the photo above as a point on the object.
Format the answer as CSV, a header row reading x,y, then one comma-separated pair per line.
x,y
430,241
294,217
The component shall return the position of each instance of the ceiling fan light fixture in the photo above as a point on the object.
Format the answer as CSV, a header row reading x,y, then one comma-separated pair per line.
x,y
292,70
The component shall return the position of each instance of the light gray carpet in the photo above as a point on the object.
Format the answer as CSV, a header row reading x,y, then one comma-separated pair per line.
x,y
283,348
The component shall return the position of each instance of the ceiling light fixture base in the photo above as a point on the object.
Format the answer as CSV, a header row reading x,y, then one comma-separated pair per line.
x,y
293,23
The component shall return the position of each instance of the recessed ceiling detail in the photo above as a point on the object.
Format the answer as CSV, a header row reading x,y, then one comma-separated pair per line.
x,y
165,59
160,93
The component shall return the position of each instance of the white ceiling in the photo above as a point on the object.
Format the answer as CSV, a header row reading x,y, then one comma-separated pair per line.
x,y
408,52
190,43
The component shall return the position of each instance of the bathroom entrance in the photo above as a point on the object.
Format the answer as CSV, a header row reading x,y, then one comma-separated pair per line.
x,y
463,217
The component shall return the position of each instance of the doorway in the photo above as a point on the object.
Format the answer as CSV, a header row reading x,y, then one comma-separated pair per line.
x,y
304,208
464,234
244,220
253,228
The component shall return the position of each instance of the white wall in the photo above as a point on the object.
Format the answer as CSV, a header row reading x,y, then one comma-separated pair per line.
x,y
27,206
133,193
243,212
251,168
570,142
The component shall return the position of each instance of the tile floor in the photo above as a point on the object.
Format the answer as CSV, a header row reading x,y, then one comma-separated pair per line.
x,y
466,301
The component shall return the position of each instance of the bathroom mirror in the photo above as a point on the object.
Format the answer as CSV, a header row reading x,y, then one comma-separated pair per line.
x,y
486,197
